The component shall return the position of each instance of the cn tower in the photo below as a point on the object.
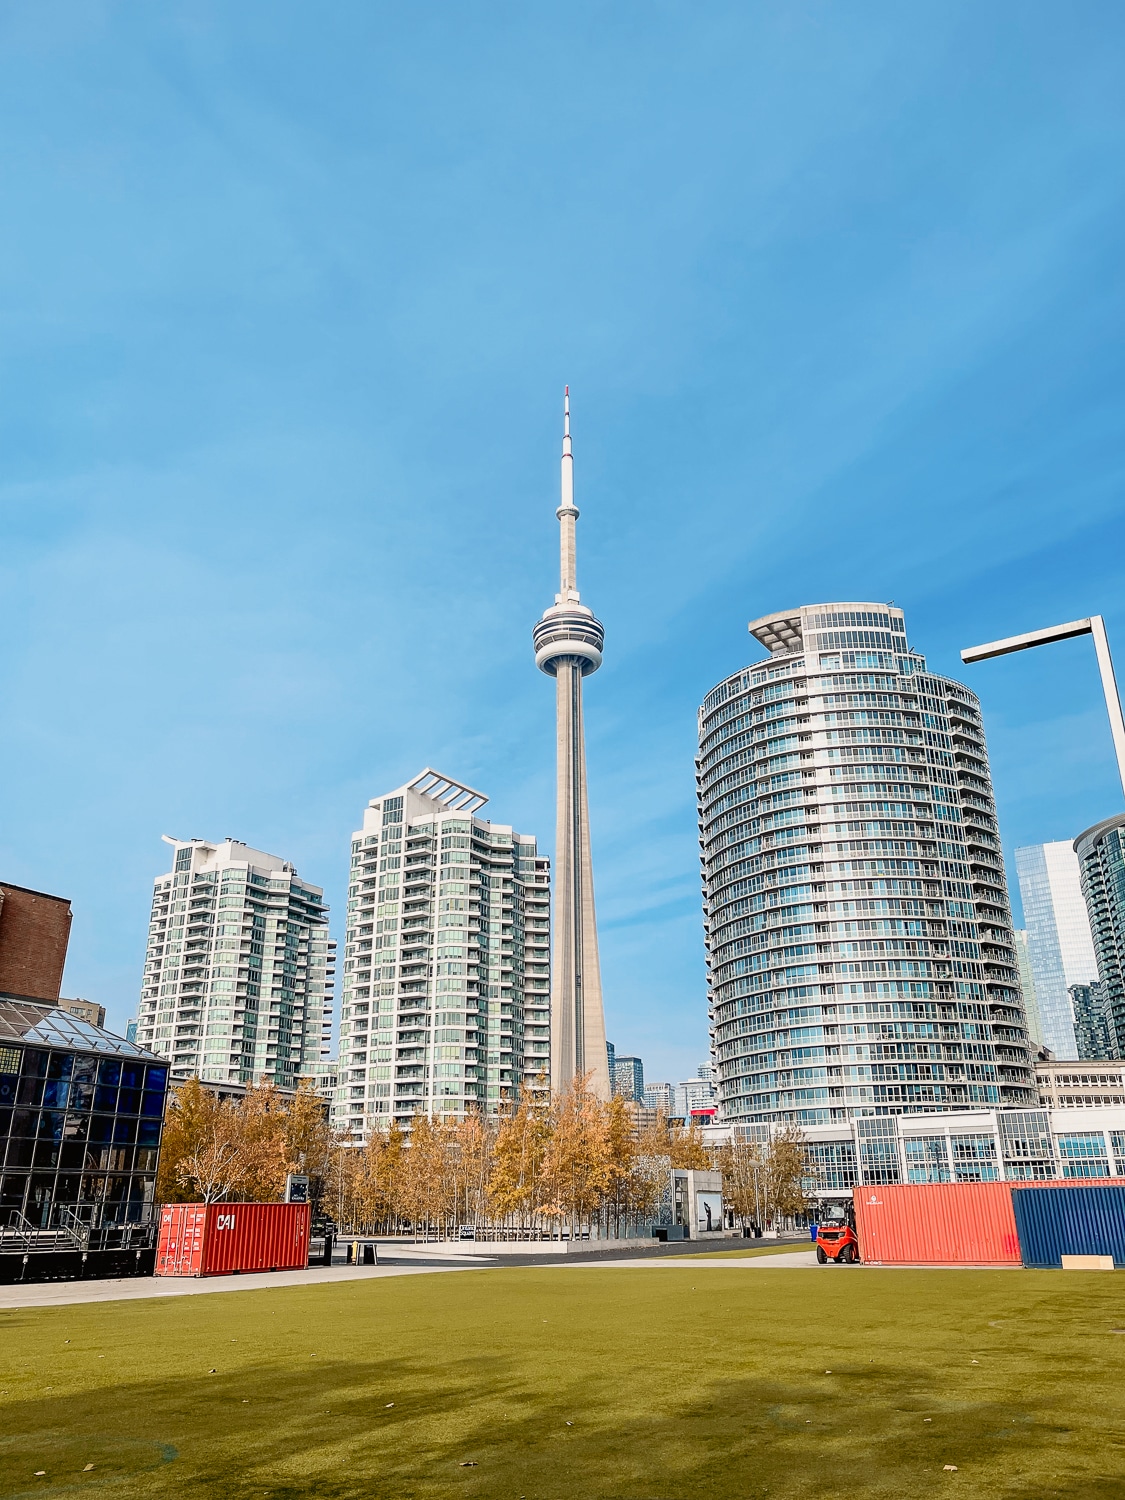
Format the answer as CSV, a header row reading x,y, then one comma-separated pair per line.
x,y
568,646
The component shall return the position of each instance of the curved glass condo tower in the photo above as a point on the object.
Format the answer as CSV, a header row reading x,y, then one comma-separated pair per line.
x,y
859,944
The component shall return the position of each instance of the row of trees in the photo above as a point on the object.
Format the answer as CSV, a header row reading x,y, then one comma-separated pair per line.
x,y
577,1162
240,1150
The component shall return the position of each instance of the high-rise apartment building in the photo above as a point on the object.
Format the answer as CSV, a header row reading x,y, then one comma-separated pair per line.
x,y
629,1078
659,1096
446,997
568,647
1027,986
859,940
694,1095
1100,852
238,973
1093,1026
1059,944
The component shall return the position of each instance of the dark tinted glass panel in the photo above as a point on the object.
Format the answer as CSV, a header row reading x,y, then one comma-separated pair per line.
x,y
55,1093
72,1156
109,1071
34,1063
19,1153
152,1104
125,1130
67,1188
77,1127
51,1124
24,1122
46,1155
85,1069
157,1078
101,1128
105,1098
148,1133
129,1101
132,1075
31,1090
59,1064
8,1087
5,1125
146,1159
81,1095
12,1192
39,1197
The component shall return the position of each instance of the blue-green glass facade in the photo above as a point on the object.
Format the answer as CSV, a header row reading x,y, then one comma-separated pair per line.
x,y
859,943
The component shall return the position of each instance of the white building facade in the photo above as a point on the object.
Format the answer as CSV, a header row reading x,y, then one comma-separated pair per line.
x,y
859,938
968,1146
446,1004
1060,947
239,968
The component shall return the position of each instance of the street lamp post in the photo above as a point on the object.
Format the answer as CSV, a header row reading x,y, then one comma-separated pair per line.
x,y
1094,626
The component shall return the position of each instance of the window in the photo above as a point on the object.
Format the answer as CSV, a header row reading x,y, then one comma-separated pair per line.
x,y
927,1159
974,1158
1083,1154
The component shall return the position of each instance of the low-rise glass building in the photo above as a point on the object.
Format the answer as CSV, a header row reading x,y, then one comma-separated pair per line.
x,y
81,1112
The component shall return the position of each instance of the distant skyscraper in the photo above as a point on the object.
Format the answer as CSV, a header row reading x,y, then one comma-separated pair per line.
x,y
659,1096
1101,857
692,1094
446,1006
611,1058
568,646
1058,937
1027,986
629,1078
859,941
237,984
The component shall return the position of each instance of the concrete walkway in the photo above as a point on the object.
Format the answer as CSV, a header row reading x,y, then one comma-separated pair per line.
x,y
135,1288
64,1293
798,1260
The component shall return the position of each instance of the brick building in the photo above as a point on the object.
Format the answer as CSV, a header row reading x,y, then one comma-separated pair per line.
x,y
34,932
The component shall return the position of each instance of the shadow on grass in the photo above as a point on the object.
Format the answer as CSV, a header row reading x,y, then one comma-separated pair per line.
x,y
331,1433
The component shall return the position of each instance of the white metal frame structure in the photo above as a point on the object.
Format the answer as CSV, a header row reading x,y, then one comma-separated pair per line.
x,y
1094,626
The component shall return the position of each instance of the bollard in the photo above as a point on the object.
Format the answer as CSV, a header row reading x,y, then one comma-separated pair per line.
x,y
326,1259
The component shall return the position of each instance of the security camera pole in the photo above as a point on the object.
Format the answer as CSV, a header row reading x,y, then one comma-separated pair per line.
x,y
1094,626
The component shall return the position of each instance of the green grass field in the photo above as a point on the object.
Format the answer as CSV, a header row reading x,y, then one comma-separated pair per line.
x,y
652,1384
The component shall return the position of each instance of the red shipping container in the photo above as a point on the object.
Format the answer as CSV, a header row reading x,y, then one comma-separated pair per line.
x,y
222,1239
937,1223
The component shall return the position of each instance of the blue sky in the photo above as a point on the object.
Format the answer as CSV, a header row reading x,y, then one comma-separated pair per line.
x,y
288,300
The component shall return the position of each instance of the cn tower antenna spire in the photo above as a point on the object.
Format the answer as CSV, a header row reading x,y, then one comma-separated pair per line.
x,y
567,514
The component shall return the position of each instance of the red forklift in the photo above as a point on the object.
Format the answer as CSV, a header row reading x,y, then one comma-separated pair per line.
x,y
836,1239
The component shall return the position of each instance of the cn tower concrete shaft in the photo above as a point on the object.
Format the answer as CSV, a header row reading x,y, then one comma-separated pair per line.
x,y
568,646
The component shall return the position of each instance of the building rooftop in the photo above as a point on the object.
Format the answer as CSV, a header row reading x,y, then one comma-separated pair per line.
x,y
33,1021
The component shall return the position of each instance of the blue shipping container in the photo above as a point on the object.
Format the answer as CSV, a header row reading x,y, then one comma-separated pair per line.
x,y
1053,1222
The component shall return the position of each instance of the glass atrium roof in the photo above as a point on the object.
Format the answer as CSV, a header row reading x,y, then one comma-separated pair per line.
x,y
42,1024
